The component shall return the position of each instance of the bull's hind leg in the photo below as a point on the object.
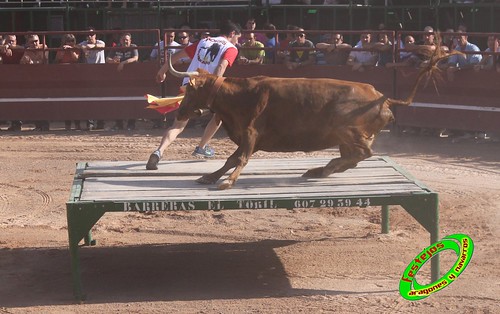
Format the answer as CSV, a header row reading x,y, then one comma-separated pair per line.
x,y
350,155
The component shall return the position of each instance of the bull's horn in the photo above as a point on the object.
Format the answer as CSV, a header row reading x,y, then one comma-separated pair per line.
x,y
177,73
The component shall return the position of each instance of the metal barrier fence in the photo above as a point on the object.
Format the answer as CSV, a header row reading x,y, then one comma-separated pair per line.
x,y
148,38
87,91
354,15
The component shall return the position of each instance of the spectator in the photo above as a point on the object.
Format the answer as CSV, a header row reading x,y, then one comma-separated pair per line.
x,y
384,48
298,57
250,26
425,47
68,54
93,53
406,58
193,36
449,40
335,50
406,55
270,43
34,52
170,43
418,54
123,57
468,60
251,56
460,62
488,61
226,55
285,43
11,53
205,35
361,59
183,39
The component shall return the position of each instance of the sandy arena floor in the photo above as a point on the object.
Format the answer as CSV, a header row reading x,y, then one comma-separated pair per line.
x,y
268,261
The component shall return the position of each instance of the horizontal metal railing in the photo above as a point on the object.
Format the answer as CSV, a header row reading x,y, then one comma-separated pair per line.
x,y
394,36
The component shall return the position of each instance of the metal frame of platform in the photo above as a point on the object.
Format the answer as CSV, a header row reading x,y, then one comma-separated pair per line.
x,y
123,186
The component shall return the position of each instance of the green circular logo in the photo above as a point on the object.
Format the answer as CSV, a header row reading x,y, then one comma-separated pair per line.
x,y
463,246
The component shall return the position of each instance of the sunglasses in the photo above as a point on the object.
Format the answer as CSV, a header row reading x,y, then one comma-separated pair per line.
x,y
90,35
183,37
301,35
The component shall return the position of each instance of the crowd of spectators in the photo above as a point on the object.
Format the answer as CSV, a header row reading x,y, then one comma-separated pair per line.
x,y
264,45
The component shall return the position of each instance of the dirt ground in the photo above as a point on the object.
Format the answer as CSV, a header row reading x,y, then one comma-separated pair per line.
x,y
266,261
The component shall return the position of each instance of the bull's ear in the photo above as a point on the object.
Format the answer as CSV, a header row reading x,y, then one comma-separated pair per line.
x,y
192,81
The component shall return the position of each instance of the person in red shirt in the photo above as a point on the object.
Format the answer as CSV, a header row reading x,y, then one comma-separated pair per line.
x,y
213,54
68,53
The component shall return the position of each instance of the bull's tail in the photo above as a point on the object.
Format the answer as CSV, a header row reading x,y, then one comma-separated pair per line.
x,y
431,69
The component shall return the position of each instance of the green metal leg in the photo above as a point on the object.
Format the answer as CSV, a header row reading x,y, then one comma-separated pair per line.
x,y
435,268
75,271
426,212
385,219
80,223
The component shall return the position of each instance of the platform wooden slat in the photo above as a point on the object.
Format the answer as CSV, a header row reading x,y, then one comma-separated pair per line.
x,y
272,178
122,186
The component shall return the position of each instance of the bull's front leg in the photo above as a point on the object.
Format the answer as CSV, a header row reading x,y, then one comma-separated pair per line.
x,y
230,163
246,149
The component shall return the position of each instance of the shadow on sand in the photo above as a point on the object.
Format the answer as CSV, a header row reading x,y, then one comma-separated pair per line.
x,y
164,272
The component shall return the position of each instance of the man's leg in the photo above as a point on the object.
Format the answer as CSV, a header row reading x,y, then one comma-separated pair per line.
x,y
210,130
168,137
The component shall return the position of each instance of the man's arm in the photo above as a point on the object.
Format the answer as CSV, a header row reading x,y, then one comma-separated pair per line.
x,y
221,68
100,44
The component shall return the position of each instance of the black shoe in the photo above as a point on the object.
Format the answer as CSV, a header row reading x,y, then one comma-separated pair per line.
x,y
153,161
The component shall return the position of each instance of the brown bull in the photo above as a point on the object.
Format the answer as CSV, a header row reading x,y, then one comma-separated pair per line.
x,y
292,114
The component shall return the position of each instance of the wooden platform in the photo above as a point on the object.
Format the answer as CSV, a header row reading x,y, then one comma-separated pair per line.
x,y
104,186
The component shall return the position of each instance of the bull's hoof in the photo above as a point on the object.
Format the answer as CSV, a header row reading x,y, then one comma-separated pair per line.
x,y
206,180
314,173
226,184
